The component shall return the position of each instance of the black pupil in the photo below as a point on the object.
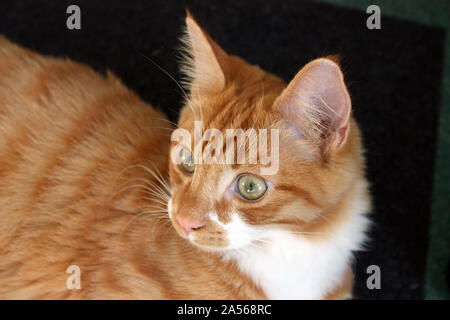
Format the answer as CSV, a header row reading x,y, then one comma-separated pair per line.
x,y
250,187
188,160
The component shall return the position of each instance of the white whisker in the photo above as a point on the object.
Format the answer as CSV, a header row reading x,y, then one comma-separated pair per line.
x,y
176,82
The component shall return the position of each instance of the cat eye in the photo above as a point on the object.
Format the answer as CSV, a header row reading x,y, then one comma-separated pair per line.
x,y
187,163
251,187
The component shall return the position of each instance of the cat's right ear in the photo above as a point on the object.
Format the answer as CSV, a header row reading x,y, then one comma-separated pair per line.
x,y
316,105
204,62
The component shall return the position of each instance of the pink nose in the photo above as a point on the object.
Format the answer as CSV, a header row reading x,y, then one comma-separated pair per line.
x,y
189,225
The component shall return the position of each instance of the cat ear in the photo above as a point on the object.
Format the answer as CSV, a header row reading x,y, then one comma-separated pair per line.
x,y
204,63
316,105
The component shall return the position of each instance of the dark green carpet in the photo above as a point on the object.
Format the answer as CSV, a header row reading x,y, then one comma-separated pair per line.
x,y
431,13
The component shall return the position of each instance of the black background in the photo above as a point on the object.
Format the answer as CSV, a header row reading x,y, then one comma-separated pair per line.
x,y
393,76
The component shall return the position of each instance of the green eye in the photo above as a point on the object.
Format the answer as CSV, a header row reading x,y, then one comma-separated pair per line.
x,y
187,163
251,187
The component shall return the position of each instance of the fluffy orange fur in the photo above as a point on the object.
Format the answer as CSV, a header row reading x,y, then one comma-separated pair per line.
x,y
83,165
321,175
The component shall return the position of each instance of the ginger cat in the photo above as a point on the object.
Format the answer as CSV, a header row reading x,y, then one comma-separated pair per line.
x,y
83,171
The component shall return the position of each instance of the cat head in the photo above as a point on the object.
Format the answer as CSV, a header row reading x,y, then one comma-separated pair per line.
x,y
222,205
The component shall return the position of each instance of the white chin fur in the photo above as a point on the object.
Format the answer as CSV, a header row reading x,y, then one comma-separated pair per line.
x,y
289,266
239,233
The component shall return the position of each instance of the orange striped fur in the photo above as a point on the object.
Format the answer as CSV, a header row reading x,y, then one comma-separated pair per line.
x,y
83,165
317,199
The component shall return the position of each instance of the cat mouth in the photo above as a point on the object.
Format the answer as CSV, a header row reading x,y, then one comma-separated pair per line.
x,y
205,236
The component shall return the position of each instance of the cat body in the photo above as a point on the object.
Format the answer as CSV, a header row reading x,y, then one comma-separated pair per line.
x,y
65,135
83,169
78,156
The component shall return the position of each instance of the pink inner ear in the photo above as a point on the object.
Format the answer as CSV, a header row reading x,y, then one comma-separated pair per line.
x,y
317,102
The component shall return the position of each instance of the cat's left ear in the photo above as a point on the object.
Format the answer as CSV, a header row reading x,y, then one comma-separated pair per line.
x,y
317,106
205,63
